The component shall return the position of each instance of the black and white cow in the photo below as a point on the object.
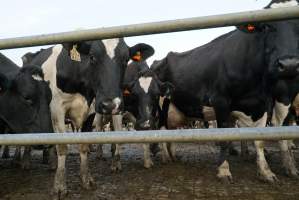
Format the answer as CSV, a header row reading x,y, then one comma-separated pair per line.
x,y
24,101
78,73
238,74
142,90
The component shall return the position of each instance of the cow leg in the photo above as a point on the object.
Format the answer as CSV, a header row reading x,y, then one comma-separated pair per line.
x,y
165,154
17,155
26,161
264,170
5,154
117,125
60,189
58,120
99,128
280,112
244,150
221,107
116,164
224,173
86,178
172,151
154,147
288,160
46,155
53,158
148,163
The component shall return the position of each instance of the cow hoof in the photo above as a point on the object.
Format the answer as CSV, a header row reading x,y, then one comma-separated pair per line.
x,y
87,182
270,178
293,173
148,164
228,179
59,192
116,166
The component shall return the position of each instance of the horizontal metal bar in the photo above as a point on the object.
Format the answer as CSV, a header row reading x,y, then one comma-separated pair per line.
x,y
154,27
188,135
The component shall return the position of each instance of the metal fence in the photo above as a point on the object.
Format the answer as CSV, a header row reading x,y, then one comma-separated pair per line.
x,y
234,134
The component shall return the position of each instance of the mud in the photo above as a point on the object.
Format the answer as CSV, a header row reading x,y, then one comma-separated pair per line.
x,y
192,177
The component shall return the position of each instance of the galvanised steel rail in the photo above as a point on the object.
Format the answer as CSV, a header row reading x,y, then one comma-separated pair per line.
x,y
188,135
154,27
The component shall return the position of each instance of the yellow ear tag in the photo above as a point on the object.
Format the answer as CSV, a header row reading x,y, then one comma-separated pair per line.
x,y
75,55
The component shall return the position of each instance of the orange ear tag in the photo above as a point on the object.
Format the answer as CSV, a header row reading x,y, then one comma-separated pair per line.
x,y
137,57
250,28
126,93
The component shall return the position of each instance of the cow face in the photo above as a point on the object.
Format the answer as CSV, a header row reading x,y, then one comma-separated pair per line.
x,y
145,91
280,45
24,101
101,66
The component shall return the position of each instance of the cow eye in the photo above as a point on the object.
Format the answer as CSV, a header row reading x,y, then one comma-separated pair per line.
x,y
92,59
28,100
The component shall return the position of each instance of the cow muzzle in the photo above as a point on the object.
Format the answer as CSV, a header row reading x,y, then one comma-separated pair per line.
x,y
146,125
288,66
111,106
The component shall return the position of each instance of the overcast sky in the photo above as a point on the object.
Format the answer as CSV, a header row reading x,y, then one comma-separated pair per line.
x,y
30,17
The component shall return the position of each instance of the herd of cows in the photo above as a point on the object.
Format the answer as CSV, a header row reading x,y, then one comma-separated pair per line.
x,y
249,76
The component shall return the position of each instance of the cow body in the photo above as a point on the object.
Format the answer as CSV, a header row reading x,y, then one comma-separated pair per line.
x,y
80,73
24,101
142,90
237,74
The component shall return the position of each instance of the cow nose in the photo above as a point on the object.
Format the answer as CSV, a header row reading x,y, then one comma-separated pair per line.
x,y
288,65
145,125
107,106
111,106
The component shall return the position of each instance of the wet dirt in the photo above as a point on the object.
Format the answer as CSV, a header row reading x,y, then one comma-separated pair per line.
x,y
192,177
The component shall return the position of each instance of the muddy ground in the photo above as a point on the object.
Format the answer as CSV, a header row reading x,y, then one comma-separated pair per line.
x,y
190,178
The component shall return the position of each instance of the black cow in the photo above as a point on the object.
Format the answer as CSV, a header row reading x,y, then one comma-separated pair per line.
x,y
24,100
80,72
238,74
142,90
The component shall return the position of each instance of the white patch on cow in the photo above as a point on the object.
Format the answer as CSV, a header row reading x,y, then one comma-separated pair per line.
x,y
73,106
284,4
110,45
117,102
223,170
37,77
244,120
130,61
145,83
280,112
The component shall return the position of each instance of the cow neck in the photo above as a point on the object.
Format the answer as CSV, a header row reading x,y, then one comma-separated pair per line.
x,y
73,77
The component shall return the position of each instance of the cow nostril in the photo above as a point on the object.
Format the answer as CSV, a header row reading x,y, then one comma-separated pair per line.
x,y
281,67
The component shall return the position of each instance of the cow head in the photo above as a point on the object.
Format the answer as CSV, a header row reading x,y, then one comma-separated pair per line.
x,y
144,92
24,101
279,41
101,66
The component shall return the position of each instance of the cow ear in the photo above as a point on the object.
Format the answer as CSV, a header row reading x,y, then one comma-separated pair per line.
x,y
141,52
251,28
166,89
76,49
4,83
